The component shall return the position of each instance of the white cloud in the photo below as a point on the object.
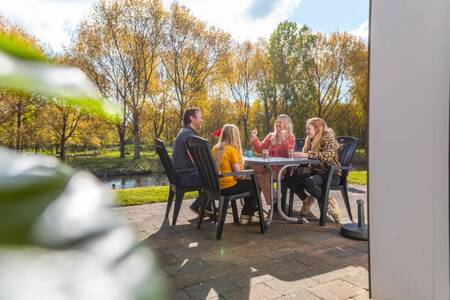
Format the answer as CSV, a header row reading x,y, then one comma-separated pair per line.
x,y
362,31
54,21
233,15
51,21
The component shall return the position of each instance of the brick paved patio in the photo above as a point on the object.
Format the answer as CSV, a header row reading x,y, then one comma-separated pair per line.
x,y
290,261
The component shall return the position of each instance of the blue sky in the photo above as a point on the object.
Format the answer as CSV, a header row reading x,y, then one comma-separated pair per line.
x,y
54,22
331,15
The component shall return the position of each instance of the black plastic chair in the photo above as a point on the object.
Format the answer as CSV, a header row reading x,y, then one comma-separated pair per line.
x,y
299,143
200,151
176,190
347,148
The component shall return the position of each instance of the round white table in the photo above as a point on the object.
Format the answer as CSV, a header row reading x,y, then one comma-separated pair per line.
x,y
284,163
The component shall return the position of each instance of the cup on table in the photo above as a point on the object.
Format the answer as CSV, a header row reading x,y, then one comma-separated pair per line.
x,y
265,153
248,153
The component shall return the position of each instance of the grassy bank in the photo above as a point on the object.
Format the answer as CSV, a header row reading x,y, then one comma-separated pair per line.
x,y
109,163
154,194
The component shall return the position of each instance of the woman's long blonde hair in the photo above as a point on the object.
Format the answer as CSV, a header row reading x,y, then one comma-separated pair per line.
x,y
321,129
287,122
229,136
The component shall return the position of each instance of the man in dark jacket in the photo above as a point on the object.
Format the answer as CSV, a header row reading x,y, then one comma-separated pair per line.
x,y
192,121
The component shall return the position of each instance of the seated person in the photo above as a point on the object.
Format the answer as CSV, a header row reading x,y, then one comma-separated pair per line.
x,y
322,145
192,121
277,143
227,154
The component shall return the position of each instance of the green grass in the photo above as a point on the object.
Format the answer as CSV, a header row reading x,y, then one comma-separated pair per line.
x,y
358,177
151,194
110,163
154,194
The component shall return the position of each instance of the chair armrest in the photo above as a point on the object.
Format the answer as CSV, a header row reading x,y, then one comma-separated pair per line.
x,y
241,173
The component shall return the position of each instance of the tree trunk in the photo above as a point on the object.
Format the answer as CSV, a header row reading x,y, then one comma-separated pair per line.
x,y
62,147
266,116
245,121
137,140
121,130
18,145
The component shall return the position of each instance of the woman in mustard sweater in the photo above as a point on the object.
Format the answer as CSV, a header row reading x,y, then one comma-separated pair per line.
x,y
227,154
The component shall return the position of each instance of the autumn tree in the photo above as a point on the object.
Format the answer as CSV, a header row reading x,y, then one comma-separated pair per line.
x,y
119,46
192,54
241,79
329,72
16,108
65,120
265,84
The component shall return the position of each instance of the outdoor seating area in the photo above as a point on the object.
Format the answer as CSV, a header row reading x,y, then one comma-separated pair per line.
x,y
297,257
292,261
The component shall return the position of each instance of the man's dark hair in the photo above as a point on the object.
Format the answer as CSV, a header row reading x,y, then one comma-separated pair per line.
x,y
190,112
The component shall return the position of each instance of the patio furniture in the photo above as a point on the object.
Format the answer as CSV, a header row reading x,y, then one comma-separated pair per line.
x,y
199,149
347,148
299,143
284,163
176,190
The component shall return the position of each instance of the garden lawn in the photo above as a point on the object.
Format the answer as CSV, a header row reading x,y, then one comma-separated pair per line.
x,y
152,194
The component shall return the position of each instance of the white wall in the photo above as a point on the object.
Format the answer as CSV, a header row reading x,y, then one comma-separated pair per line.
x,y
409,149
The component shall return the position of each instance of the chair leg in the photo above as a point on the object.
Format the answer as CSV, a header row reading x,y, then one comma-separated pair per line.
x,y
323,209
169,202
223,207
179,195
291,202
235,212
344,193
204,201
262,223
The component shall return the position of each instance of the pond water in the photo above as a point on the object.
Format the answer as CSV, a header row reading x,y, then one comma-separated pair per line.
x,y
127,182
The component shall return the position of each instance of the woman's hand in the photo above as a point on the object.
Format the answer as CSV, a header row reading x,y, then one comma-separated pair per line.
x,y
301,155
254,133
283,135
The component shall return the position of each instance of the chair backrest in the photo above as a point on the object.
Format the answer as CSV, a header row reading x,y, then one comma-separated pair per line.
x,y
166,161
201,154
299,143
347,148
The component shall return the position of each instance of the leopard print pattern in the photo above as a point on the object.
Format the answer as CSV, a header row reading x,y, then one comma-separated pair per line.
x,y
327,154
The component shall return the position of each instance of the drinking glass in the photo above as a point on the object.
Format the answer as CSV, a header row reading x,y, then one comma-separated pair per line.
x,y
291,153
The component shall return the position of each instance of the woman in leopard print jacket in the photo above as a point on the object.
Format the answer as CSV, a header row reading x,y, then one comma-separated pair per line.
x,y
320,144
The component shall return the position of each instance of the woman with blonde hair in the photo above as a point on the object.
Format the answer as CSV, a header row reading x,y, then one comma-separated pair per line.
x,y
227,154
320,144
277,143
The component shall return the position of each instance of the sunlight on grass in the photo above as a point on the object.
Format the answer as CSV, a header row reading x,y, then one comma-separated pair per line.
x,y
151,194
358,177
154,194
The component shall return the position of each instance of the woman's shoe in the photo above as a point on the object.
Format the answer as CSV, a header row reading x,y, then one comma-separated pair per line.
x,y
244,219
306,207
334,210
254,219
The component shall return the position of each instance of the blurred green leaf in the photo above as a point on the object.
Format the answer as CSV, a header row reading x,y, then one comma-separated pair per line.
x,y
20,48
68,84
